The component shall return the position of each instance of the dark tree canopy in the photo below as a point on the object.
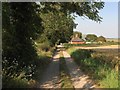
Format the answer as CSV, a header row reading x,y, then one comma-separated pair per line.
x,y
89,10
21,24
58,27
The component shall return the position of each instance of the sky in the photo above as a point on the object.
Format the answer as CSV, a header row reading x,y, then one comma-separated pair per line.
x,y
107,28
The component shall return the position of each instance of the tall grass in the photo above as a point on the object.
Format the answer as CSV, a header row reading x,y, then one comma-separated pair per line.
x,y
98,65
111,80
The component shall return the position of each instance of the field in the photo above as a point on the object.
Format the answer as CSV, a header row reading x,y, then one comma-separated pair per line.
x,y
108,44
113,39
100,64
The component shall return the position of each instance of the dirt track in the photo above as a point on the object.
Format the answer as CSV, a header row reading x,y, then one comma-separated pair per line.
x,y
78,78
50,78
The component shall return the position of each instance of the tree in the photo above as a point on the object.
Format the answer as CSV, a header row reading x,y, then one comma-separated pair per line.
x,y
77,33
58,27
21,25
56,24
88,10
91,37
101,38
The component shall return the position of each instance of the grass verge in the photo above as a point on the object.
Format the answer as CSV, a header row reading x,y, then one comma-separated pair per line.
x,y
98,65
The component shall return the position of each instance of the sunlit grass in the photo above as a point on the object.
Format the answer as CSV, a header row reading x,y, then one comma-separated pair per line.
x,y
99,65
111,80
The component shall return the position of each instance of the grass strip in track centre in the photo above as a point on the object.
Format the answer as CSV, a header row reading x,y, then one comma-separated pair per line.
x,y
64,74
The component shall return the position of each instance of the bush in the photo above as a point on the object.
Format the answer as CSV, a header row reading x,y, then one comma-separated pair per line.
x,y
82,54
44,46
14,82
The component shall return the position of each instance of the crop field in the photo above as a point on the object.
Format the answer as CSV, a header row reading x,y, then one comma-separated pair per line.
x,y
113,39
100,64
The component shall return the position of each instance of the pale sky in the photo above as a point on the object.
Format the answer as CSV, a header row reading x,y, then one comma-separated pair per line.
x,y
107,28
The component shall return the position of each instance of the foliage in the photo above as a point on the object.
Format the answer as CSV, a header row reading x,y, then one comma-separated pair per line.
x,y
108,81
91,37
101,38
15,82
98,64
23,25
58,27
89,10
58,22
43,46
77,33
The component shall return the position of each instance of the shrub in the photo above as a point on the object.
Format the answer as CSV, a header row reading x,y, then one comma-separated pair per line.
x,y
44,46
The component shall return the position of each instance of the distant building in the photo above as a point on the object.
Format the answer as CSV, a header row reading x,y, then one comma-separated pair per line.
x,y
77,40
